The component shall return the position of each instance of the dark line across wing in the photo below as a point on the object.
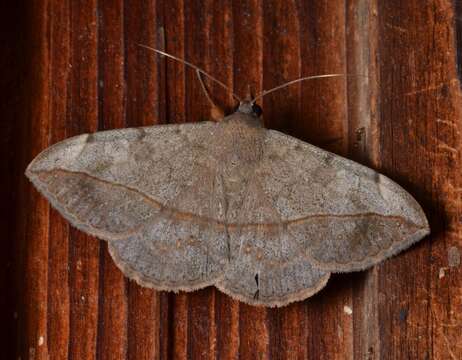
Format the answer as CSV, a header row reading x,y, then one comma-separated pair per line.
x,y
180,215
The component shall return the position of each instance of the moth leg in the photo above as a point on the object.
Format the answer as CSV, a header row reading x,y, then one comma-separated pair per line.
x,y
217,112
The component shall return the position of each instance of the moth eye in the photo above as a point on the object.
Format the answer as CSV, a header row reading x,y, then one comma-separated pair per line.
x,y
257,110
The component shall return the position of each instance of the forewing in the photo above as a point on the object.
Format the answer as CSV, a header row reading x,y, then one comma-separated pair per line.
x,y
347,216
152,192
156,160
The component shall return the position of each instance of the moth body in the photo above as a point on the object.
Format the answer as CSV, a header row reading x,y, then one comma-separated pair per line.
x,y
259,214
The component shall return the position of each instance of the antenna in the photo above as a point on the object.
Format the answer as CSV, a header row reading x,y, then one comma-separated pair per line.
x,y
266,92
199,71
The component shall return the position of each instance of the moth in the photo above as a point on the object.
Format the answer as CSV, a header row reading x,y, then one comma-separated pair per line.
x,y
263,216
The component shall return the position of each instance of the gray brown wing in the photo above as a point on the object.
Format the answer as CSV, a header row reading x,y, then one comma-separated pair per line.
x,y
347,216
151,192
267,267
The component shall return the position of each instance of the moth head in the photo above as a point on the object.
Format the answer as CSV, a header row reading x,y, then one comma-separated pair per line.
x,y
250,108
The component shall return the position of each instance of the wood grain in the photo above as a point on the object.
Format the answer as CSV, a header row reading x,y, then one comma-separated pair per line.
x,y
75,66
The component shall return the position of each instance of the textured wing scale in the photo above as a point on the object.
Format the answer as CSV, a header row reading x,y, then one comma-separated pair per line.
x,y
107,185
173,254
268,267
100,208
161,197
347,217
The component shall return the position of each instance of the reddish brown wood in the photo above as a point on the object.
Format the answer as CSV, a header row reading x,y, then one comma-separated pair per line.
x,y
84,251
420,115
59,296
113,302
31,227
75,66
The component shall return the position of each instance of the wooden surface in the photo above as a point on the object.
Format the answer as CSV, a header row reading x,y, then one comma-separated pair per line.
x,y
71,67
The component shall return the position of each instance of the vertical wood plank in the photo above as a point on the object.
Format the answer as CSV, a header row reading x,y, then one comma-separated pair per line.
x,y
174,44
84,250
420,93
58,336
113,301
363,135
248,46
33,230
